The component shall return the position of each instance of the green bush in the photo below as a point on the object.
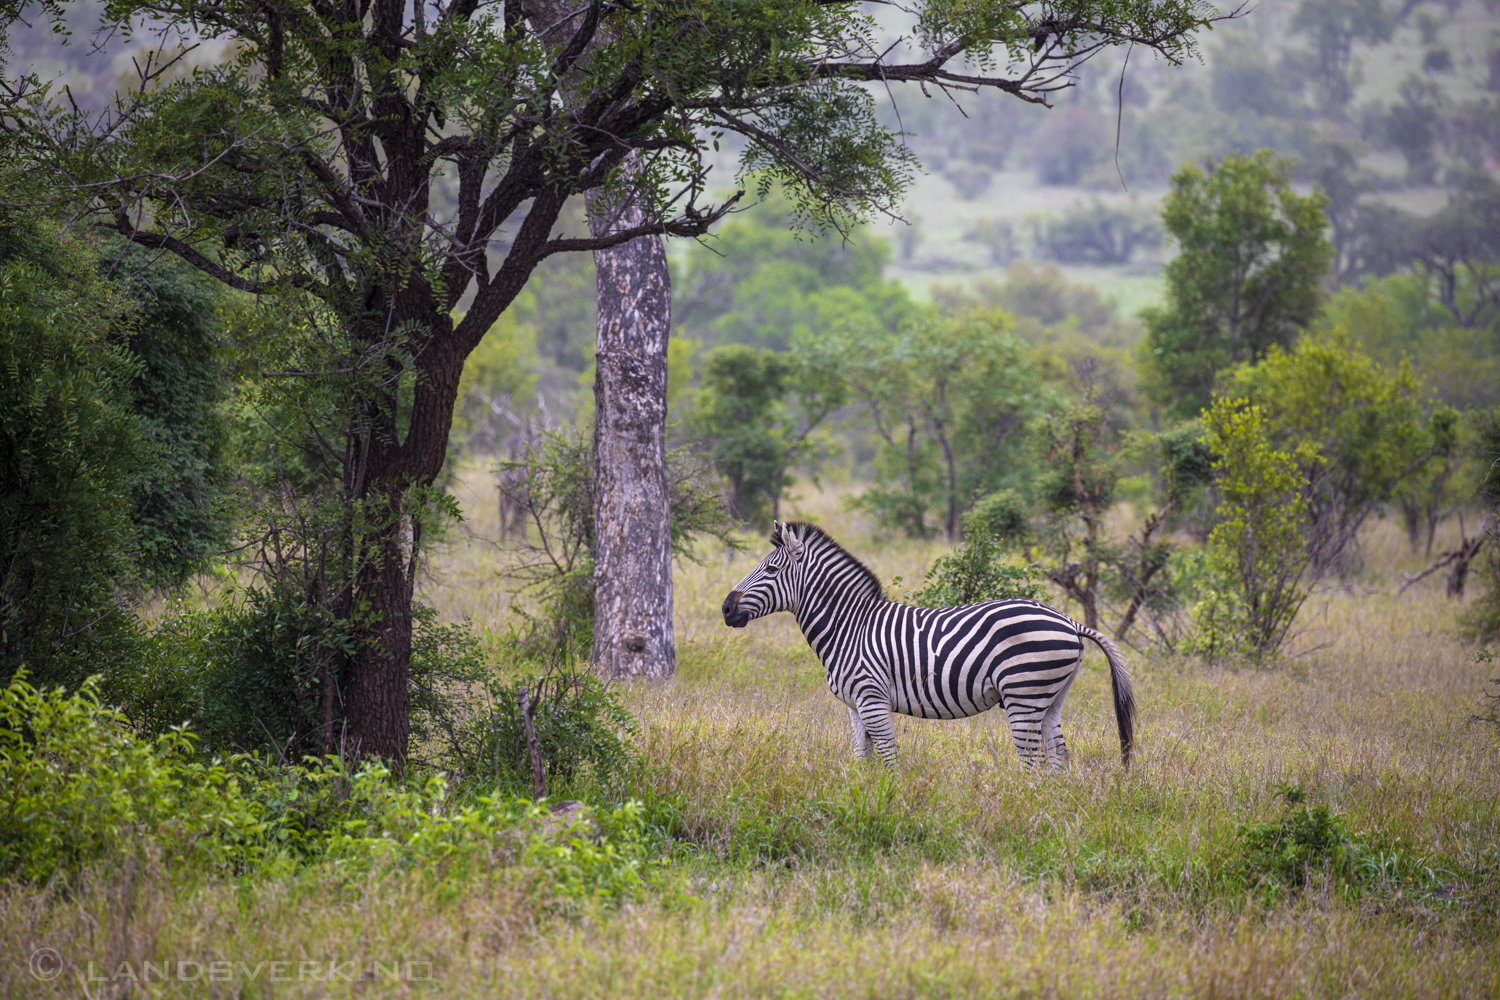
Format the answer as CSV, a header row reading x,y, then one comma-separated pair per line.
x,y
177,336
77,786
1257,555
582,730
1301,843
1306,844
976,570
71,451
248,676
244,676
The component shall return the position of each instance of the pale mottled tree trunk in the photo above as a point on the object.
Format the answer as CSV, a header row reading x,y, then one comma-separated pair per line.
x,y
632,541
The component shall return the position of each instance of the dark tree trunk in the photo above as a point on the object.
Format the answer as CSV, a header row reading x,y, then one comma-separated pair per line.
x,y
632,531
376,697
381,470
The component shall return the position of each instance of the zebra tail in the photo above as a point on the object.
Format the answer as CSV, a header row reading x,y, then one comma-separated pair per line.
x,y
1119,679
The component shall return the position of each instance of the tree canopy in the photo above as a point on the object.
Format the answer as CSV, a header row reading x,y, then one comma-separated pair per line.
x,y
1251,260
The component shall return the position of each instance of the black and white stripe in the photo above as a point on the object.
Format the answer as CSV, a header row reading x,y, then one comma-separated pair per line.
x,y
932,663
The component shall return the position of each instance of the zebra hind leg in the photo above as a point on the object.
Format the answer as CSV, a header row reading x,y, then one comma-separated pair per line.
x,y
1054,747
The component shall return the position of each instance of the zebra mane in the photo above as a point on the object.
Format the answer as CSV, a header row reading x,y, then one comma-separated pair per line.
x,y
810,531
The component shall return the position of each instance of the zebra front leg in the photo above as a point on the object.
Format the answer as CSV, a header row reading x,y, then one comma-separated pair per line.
x,y
873,720
861,736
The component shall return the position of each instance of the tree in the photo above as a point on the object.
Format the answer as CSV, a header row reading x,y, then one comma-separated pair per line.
x,y
1333,26
1399,317
758,281
370,155
1247,277
754,414
1367,431
1459,249
1075,491
1257,553
71,453
951,398
1413,127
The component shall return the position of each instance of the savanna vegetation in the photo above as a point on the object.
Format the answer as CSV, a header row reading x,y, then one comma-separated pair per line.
x,y
266,433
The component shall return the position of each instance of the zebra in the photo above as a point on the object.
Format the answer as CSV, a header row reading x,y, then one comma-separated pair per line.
x,y
932,663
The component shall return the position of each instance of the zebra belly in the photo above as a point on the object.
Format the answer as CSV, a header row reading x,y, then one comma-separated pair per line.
x,y
954,663
987,700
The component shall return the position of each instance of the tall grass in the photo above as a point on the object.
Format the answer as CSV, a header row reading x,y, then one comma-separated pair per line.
x,y
790,869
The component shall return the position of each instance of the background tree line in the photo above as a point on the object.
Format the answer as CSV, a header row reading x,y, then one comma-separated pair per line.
x,y
1257,413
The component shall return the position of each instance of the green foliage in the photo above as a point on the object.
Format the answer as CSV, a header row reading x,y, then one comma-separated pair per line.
x,y
1074,491
760,282
1257,553
71,452
976,571
251,675
754,415
1301,844
951,398
1398,318
582,728
178,334
1305,845
1371,430
1251,260
78,787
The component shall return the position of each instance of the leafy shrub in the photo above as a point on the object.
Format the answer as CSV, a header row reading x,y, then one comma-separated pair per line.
x,y
582,730
1257,553
71,450
177,335
976,570
1301,843
77,786
1304,844
249,676
244,676
369,821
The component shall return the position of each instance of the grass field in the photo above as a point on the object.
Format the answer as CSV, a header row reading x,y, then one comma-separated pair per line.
x,y
791,870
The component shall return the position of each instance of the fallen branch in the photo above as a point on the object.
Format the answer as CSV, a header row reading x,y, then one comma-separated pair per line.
x,y
1459,559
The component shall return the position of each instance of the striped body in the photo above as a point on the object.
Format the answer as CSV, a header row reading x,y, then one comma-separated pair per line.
x,y
931,663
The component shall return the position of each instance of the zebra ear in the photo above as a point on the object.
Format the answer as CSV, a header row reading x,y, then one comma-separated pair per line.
x,y
792,542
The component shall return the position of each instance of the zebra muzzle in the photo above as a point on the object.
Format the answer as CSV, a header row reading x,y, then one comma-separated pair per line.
x,y
733,616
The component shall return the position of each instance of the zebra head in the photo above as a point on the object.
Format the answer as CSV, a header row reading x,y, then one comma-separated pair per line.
x,y
771,586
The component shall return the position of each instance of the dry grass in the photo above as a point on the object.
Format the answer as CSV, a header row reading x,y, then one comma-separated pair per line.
x,y
800,872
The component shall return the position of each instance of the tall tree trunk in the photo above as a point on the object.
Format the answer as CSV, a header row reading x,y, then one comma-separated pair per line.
x,y
381,470
376,700
632,531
